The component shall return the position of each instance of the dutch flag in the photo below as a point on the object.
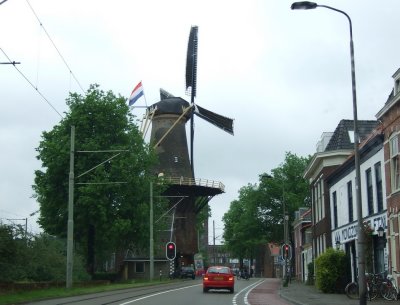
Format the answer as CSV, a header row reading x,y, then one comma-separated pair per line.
x,y
137,92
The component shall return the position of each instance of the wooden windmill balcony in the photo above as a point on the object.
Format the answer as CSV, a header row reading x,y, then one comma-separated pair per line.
x,y
194,187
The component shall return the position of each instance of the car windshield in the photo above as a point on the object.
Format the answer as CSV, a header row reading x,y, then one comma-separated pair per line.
x,y
218,270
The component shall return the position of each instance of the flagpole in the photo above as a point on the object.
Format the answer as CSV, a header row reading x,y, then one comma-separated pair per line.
x,y
144,95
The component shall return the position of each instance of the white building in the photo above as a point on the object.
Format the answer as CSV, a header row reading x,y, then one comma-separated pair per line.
x,y
343,209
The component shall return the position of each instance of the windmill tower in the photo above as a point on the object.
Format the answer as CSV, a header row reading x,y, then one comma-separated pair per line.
x,y
168,135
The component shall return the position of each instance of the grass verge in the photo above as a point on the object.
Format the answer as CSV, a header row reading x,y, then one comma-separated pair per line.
x,y
37,295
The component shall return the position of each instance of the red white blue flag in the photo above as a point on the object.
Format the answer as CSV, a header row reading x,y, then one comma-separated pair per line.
x,y
137,92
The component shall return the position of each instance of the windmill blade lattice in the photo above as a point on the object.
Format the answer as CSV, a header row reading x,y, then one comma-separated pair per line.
x,y
191,63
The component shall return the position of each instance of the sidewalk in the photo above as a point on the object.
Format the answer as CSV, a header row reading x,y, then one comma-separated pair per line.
x,y
300,294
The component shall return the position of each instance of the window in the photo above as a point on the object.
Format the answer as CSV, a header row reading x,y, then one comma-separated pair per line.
x,y
139,267
318,201
394,163
335,216
393,248
351,135
378,184
350,200
370,191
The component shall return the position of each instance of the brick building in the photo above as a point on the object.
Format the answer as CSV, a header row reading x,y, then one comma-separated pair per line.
x,y
389,116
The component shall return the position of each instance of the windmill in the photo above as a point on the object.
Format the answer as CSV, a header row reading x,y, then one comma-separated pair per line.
x,y
168,135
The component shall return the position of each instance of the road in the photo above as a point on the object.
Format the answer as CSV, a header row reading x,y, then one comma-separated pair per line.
x,y
182,293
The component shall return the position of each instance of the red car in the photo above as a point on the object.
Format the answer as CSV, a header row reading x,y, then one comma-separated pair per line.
x,y
219,277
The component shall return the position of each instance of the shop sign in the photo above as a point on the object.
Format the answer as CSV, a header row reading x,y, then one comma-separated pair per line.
x,y
349,232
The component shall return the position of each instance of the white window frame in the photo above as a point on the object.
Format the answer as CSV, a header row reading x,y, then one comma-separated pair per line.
x,y
394,163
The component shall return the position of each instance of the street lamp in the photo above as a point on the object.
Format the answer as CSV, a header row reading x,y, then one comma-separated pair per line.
x,y
381,231
306,5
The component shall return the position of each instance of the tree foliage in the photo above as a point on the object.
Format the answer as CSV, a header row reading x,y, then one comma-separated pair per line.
x,y
284,189
12,254
242,226
256,217
34,258
106,216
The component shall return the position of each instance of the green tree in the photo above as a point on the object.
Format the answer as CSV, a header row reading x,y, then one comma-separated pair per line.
x,y
242,224
47,260
285,188
256,217
24,257
107,217
12,253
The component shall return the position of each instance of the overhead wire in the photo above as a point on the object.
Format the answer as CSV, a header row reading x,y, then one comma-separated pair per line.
x,y
33,86
37,76
54,45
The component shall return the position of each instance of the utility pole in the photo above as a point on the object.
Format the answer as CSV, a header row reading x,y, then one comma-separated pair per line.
x,y
285,234
70,234
71,185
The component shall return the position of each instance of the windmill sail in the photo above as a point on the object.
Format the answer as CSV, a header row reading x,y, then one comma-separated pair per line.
x,y
218,120
191,81
191,63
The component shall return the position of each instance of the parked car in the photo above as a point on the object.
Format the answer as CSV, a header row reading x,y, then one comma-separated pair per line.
x,y
219,277
188,272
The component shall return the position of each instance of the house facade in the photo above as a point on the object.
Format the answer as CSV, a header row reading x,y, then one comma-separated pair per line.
x,y
389,116
331,175
343,209
333,149
302,243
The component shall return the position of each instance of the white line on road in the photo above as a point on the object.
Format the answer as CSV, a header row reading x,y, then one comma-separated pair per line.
x,y
158,293
247,293
244,289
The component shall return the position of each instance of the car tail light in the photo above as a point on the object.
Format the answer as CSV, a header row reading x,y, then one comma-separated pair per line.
x,y
206,278
231,278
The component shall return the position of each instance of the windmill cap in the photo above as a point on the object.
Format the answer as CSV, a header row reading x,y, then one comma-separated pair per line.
x,y
172,105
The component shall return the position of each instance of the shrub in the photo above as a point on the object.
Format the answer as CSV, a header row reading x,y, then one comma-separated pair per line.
x,y
331,268
35,259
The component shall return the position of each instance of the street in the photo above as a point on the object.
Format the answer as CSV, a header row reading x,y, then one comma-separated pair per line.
x,y
183,293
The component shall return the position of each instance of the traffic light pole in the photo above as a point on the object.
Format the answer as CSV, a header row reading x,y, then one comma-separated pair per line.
x,y
151,233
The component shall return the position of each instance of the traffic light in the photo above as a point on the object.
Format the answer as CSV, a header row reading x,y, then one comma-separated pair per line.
x,y
286,251
170,250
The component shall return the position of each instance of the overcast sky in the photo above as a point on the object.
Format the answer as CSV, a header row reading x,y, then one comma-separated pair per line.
x,y
283,75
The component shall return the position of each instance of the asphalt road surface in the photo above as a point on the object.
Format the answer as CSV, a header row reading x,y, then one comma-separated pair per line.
x,y
188,292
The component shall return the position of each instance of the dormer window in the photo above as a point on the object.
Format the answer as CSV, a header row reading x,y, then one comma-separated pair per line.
x,y
351,135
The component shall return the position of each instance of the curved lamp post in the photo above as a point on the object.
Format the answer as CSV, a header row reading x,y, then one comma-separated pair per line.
x,y
306,5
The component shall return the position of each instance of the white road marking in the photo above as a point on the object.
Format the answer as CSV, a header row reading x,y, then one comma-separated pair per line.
x,y
244,289
158,293
247,293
